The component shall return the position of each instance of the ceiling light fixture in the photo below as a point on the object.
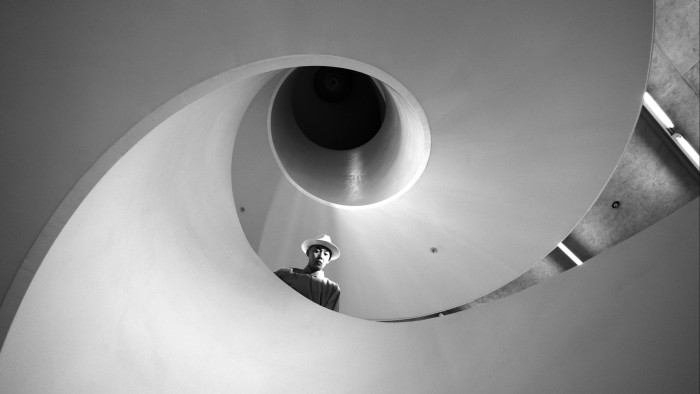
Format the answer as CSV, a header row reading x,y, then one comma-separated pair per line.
x,y
687,149
666,123
569,253
656,111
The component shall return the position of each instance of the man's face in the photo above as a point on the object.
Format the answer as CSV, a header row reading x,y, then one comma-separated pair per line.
x,y
319,257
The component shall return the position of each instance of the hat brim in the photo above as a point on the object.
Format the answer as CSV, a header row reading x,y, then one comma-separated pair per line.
x,y
335,252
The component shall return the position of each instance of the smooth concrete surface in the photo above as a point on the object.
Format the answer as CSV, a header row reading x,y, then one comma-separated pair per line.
x,y
520,98
152,287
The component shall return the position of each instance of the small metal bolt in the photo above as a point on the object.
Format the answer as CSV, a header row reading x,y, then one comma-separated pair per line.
x,y
242,209
616,204
433,250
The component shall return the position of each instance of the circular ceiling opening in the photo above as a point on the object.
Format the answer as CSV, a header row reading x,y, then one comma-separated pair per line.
x,y
336,108
345,138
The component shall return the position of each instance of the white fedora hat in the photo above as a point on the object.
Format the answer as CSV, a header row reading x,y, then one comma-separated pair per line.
x,y
323,240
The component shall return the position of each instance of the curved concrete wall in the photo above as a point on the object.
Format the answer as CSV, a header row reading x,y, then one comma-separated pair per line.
x,y
529,104
151,284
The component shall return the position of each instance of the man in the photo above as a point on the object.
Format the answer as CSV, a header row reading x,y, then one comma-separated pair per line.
x,y
311,281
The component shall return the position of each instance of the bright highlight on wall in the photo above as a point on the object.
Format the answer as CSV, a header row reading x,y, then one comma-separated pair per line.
x,y
569,253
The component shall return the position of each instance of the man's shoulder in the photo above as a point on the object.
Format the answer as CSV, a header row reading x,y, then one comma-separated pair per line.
x,y
286,271
332,284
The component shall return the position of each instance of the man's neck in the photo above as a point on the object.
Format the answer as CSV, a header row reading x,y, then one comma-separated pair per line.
x,y
318,273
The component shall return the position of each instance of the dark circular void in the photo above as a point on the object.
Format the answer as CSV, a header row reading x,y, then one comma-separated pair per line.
x,y
333,84
336,108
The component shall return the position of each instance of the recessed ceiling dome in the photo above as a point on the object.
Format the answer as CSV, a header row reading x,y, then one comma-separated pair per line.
x,y
344,138
334,84
336,108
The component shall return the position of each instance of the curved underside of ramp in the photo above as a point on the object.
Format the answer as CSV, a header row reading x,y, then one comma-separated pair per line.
x,y
147,279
